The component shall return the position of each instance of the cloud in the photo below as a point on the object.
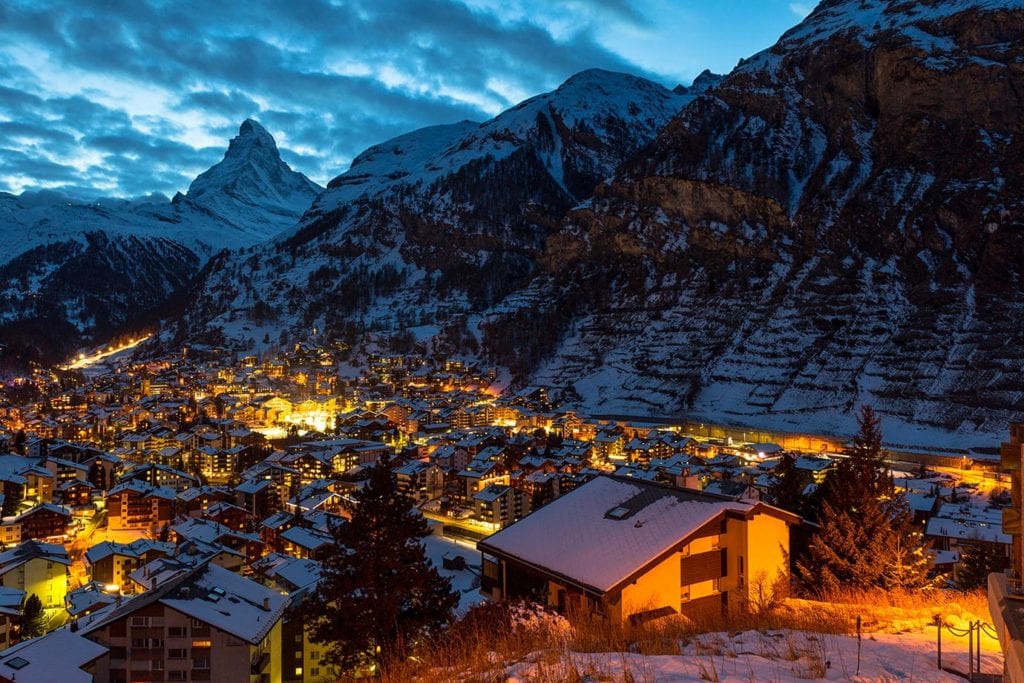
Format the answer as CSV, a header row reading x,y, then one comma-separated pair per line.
x,y
138,97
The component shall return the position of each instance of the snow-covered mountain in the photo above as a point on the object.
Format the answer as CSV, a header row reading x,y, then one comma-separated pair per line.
x,y
438,223
252,188
837,222
248,197
88,269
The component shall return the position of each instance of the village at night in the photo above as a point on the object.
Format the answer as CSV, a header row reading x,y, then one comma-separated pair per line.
x,y
512,342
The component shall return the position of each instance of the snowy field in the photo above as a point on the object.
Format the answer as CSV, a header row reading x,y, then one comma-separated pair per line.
x,y
767,657
465,581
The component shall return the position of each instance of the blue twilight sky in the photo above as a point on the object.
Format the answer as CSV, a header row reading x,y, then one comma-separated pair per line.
x,y
129,97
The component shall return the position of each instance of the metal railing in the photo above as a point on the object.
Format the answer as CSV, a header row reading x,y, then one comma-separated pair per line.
x,y
973,633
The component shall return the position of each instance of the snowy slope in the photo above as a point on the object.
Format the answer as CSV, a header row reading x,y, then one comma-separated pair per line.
x,y
837,222
438,222
246,198
252,188
87,270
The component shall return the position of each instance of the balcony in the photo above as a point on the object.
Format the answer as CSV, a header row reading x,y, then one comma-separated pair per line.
x,y
260,663
1006,605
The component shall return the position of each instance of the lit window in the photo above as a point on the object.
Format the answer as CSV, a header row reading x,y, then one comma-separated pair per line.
x,y
201,643
298,671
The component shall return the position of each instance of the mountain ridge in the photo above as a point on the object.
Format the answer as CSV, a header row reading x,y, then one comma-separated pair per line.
x,y
95,268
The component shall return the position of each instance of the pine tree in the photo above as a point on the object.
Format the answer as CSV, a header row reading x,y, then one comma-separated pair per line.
x,y
787,490
846,550
905,559
867,536
977,561
864,473
33,620
378,594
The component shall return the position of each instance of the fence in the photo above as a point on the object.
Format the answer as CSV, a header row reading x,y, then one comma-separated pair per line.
x,y
973,633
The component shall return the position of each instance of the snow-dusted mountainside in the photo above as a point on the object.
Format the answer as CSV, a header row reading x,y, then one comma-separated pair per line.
x,y
837,222
252,188
439,222
249,197
88,269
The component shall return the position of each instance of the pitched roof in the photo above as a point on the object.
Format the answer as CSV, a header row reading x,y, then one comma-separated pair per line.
x,y
601,533
33,661
30,550
211,594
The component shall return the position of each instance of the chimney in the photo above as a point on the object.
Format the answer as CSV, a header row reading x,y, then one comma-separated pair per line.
x,y
152,583
266,604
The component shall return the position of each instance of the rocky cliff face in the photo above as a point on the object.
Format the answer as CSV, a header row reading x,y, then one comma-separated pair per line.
x,y
836,222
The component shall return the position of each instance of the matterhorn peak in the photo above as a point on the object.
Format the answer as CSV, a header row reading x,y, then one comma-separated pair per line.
x,y
253,140
252,173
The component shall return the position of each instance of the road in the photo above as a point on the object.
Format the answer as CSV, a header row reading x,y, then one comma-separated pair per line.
x,y
79,576
84,361
472,530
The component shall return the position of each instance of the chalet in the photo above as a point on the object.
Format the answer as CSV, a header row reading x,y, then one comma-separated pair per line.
x,y
205,623
500,504
194,502
816,468
610,445
110,563
420,480
478,475
230,515
76,493
44,521
305,543
272,527
39,568
259,496
626,549
161,475
246,547
135,504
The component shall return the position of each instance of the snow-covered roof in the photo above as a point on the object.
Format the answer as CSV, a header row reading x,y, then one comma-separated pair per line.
x,y
57,656
136,549
30,550
88,597
11,600
602,532
209,593
311,539
245,609
296,573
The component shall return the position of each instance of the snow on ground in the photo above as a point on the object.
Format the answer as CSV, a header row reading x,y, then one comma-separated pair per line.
x,y
776,656
465,581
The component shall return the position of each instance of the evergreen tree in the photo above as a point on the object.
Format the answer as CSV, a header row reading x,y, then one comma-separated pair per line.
x,y
787,490
977,561
905,559
378,594
867,536
864,473
33,620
